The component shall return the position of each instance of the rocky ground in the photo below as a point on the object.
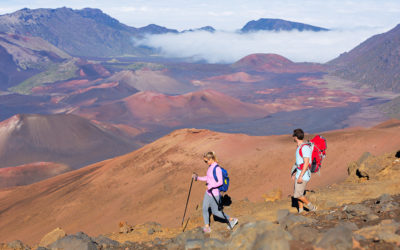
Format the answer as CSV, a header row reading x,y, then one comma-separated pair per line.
x,y
361,213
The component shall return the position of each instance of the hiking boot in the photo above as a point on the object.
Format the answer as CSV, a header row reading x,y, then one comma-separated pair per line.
x,y
207,230
233,222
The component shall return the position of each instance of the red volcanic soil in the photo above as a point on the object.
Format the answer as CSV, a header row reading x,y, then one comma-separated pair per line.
x,y
236,77
100,86
67,139
206,106
275,63
30,173
89,69
195,107
150,80
120,129
151,184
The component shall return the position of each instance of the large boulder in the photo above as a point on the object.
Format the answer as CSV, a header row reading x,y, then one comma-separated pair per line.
x,y
105,242
125,228
212,244
384,198
339,237
282,213
52,237
195,234
260,235
385,231
78,241
304,233
368,166
16,245
357,210
291,220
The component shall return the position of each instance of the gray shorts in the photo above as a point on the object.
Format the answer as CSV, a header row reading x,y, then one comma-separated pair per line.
x,y
299,189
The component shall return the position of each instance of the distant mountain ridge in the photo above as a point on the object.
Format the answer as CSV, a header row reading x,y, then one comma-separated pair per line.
x,y
278,25
86,32
205,28
92,33
374,63
155,29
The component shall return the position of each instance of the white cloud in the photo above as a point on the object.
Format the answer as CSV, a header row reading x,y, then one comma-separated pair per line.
x,y
7,10
233,14
130,9
219,14
228,47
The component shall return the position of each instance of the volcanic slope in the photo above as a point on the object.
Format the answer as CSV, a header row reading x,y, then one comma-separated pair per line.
x,y
274,63
151,183
201,107
374,63
30,173
66,139
151,80
23,56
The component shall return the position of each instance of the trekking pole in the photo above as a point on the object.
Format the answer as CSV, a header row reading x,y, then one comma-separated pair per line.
x,y
187,201
222,210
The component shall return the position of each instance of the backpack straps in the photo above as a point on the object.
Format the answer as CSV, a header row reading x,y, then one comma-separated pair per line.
x,y
301,154
301,147
215,172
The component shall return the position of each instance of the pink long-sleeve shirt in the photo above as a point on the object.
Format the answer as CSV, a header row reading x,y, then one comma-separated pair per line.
x,y
209,178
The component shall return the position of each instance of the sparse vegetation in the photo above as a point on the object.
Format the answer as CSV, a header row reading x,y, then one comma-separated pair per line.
x,y
392,108
56,72
141,65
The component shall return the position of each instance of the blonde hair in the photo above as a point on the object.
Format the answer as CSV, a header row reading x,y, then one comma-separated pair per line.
x,y
210,155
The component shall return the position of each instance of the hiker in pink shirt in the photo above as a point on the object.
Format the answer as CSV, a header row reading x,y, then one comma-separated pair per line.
x,y
209,179
212,190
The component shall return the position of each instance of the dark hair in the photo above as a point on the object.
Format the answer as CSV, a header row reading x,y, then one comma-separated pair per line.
x,y
298,132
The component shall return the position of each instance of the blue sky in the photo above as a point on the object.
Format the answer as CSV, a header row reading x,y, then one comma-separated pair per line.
x,y
351,22
232,14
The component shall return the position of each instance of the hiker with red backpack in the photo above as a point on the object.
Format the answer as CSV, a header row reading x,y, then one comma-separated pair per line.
x,y
216,181
308,160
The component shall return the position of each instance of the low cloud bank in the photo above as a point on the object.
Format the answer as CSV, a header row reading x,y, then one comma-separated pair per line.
x,y
228,47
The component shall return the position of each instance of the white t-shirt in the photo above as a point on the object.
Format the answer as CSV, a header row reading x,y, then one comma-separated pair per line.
x,y
306,151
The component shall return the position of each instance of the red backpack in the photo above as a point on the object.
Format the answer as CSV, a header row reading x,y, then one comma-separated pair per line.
x,y
318,147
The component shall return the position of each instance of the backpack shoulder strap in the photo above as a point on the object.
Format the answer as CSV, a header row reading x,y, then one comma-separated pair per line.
x,y
301,147
215,172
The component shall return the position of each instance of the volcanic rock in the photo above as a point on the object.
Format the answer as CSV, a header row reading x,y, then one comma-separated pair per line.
x,y
254,235
78,241
385,231
338,238
52,237
384,198
105,242
357,210
292,220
